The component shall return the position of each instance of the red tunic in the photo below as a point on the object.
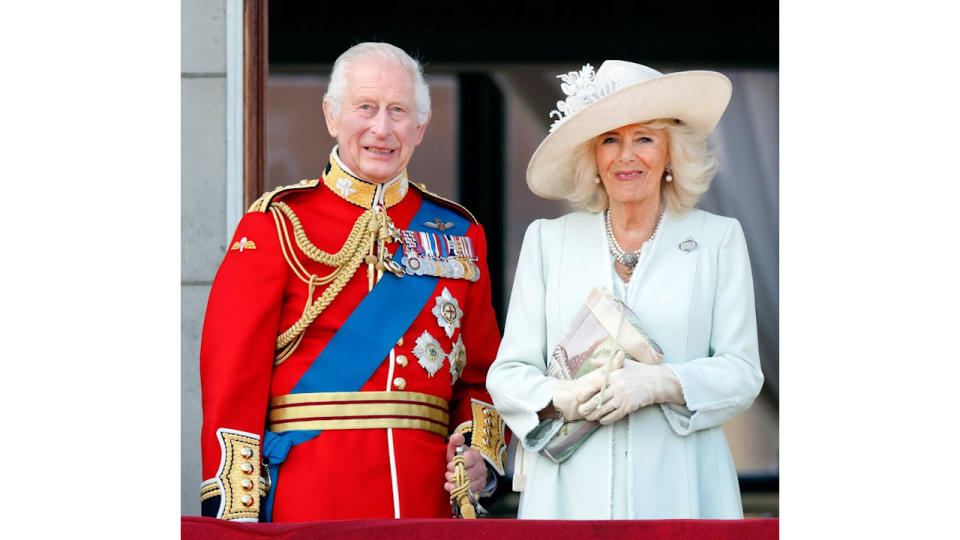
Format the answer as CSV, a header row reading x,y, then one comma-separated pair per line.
x,y
340,474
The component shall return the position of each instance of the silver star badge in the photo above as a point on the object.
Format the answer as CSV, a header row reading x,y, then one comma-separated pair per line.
x,y
447,312
429,353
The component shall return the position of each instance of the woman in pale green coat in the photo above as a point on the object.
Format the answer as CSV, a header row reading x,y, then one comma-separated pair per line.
x,y
630,148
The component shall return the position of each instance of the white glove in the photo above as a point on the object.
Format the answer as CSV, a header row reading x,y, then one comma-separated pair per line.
x,y
565,394
630,386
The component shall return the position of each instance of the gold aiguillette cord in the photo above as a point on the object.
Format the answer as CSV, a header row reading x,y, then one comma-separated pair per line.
x,y
460,496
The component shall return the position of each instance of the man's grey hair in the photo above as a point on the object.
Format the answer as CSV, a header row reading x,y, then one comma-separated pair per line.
x,y
380,51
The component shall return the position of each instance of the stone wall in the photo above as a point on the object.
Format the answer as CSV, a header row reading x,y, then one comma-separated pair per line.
x,y
203,188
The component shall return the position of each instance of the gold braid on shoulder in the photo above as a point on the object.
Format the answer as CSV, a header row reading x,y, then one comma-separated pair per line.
x,y
344,262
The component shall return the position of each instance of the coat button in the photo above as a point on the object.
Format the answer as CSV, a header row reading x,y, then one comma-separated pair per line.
x,y
247,484
400,342
400,383
246,452
246,468
247,500
402,361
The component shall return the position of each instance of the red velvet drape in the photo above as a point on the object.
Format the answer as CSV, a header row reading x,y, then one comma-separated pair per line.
x,y
492,529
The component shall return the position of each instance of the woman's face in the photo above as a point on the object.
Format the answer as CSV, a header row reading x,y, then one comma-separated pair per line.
x,y
631,161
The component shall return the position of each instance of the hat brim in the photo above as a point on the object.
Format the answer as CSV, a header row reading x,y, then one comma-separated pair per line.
x,y
696,98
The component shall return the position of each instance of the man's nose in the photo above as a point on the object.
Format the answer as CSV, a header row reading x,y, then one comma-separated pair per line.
x,y
381,123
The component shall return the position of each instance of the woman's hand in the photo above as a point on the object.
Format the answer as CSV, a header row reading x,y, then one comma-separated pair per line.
x,y
565,394
565,399
632,386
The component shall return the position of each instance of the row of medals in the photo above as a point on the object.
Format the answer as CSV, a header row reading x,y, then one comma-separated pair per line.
x,y
453,267
417,264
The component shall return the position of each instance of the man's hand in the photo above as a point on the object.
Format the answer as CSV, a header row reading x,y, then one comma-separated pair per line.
x,y
476,467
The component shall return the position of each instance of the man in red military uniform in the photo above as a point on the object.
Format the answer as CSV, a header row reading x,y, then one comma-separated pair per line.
x,y
349,328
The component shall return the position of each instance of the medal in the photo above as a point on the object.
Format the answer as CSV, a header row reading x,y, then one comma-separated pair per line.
x,y
439,255
457,268
468,271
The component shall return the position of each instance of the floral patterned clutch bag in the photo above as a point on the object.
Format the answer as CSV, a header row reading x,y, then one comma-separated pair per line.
x,y
603,326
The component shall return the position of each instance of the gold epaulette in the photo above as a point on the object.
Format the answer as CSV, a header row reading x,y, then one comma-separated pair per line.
x,y
445,202
263,203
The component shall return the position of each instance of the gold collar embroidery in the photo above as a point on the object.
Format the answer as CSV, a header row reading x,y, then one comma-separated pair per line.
x,y
360,192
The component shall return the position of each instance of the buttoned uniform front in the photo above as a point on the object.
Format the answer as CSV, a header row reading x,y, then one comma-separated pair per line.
x,y
692,291
341,473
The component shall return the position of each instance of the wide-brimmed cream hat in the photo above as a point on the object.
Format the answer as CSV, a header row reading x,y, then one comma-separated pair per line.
x,y
621,93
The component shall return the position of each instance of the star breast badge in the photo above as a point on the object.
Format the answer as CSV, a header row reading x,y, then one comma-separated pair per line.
x,y
458,359
447,311
429,353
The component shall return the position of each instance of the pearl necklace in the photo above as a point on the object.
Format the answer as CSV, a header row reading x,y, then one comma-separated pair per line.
x,y
626,258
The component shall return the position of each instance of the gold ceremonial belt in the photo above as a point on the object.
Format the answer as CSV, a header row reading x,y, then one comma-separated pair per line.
x,y
358,410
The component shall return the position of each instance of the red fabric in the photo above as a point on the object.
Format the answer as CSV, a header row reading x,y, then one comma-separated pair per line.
x,y
500,529
255,296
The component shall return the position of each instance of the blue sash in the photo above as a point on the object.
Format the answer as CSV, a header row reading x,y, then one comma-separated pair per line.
x,y
358,348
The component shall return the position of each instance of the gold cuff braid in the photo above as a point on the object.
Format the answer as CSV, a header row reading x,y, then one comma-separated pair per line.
x,y
488,434
238,476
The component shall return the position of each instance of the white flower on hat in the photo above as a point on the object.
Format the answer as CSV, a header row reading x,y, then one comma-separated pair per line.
x,y
581,89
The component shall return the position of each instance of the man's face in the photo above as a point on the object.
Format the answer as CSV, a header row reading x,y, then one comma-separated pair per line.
x,y
377,127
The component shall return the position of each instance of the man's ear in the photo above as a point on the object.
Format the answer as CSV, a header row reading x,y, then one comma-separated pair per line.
x,y
423,128
331,121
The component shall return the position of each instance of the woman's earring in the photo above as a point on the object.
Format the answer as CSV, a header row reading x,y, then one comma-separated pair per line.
x,y
669,177
596,179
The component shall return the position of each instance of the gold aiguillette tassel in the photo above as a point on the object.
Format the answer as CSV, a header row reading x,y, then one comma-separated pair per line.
x,y
371,260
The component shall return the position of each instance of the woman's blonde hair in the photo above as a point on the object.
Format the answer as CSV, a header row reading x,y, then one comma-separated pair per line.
x,y
693,167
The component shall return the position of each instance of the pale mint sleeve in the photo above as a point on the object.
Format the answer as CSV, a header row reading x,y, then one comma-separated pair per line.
x,y
517,380
726,383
